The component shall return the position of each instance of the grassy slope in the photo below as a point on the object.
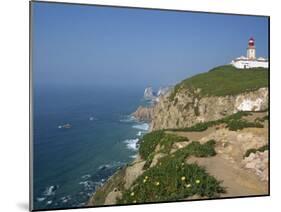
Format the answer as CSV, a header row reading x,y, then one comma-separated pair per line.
x,y
225,80
172,179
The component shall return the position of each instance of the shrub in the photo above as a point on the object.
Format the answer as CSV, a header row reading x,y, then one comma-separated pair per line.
x,y
151,140
261,149
195,148
235,125
233,122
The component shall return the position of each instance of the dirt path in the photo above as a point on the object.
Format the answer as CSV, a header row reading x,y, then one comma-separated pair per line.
x,y
237,181
227,166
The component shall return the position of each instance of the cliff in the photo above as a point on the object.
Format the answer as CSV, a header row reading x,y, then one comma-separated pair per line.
x,y
208,143
210,96
189,108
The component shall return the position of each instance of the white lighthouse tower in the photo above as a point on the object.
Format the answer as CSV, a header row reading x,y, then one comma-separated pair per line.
x,y
250,61
251,50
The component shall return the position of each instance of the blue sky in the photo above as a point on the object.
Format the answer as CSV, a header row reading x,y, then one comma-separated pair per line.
x,y
89,45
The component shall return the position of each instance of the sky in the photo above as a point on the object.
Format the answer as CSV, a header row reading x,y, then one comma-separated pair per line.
x,y
105,46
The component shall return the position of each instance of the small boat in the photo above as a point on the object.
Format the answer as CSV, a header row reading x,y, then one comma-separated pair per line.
x,y
65,126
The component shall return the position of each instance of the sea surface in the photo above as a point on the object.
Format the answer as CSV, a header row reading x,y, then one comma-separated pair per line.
x,y
70,163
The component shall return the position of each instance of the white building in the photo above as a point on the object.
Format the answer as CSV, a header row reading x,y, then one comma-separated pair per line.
x,y
250,61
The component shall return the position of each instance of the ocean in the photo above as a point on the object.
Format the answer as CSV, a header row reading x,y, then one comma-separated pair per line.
x,y
71,162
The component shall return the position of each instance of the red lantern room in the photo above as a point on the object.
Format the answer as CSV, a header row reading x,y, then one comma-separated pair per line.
x,y
251,42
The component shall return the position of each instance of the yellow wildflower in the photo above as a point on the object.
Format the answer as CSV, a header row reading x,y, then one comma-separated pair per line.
x,y
197,181
135,201
132,194
157,183
183,178
146,177
188,185
144,180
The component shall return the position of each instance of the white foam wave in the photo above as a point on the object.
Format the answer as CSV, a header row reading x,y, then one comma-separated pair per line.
x,y
139,133
144,126
132,144
40,199
111,165
49,202
86,176
88,185
51,190
128,119
65,199
133,156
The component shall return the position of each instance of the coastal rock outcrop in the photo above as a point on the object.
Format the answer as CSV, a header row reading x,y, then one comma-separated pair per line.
x,y
258,163
148,93
143,113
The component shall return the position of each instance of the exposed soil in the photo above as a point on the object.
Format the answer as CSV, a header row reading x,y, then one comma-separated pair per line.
x,y
237,181
227,166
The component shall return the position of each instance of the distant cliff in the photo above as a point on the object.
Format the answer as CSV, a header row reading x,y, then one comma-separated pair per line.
x,y
145,113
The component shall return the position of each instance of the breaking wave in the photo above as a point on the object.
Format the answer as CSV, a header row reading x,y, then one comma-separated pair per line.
x,y
114,164
128,118
51,190
132,144
143,126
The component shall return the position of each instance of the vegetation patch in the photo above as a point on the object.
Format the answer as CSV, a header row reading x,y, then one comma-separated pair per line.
x,y
261,119
199,150
233,122
172,179
253,150
151,140
224,80
235,125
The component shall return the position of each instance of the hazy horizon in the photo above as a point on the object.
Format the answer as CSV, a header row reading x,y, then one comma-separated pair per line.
x,y
104,46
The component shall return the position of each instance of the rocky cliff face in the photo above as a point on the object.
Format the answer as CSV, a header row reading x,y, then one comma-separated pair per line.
x,y
188,107
143,114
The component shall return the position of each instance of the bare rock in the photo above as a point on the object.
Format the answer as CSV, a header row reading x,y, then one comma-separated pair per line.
x,y
143,113
258,163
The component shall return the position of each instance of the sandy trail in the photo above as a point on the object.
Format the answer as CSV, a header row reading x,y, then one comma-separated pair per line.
x,y
237,181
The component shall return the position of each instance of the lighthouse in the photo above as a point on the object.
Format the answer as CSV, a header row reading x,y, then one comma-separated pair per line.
x,y
250,61
251,50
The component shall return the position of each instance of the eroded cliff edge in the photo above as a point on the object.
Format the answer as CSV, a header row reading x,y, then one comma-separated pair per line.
x,y
188,107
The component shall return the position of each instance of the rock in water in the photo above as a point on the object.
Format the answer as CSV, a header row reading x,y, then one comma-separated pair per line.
x,y
148,93
164,90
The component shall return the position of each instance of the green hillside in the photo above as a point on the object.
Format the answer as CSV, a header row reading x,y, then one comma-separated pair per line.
x,y
225,80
